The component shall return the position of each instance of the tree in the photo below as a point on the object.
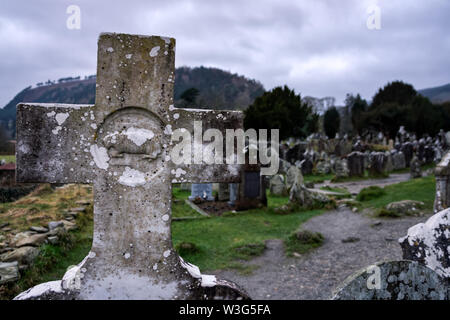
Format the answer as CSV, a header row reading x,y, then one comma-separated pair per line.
x,y
358,106
331,122
282,109
394,92
190,95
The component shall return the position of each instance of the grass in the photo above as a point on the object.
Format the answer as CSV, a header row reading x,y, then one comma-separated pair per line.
x,y
334,189
302,241
315,178
222,242
369,193
9,158
42,206
54,260
421,189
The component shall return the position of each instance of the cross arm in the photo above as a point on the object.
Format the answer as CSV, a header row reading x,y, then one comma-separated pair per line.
x,y
210,119
53,143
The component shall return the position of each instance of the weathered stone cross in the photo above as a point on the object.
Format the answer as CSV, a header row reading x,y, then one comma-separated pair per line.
x,y
122,145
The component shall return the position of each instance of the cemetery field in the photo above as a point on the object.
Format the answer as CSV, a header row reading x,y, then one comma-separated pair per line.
x,y
217,242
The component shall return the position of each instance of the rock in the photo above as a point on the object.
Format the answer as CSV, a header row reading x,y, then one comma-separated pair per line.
x,y
55,224
303,197
323,167
34,240
428,243
87,202
277,185
20,236
350,240
69,226
53,239
393,280
24,255
78,209
9,272
406,207
4,225
39,229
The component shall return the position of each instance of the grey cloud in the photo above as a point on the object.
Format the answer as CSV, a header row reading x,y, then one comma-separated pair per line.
x,y
320,47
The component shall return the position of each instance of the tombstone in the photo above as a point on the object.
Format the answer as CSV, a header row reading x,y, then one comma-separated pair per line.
x,y
122,145
408,150
224,192
341,168
398,160
251,189
307,166
442,173
389,164
356,164
428,243
378,161
393,280
202,191
278,186
234,189
414,166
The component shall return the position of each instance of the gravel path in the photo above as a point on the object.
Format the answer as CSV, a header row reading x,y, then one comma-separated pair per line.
x,y
354,187
316,274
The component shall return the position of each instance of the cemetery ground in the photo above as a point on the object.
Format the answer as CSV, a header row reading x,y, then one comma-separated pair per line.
x,y
256,248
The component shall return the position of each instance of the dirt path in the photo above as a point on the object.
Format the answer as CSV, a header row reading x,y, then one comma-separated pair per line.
x,y
354,187
316,274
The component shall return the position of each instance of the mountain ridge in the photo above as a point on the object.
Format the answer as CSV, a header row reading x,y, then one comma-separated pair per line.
x,y
217,89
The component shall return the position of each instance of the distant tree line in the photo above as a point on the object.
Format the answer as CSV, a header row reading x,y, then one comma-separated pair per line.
x,y
398,104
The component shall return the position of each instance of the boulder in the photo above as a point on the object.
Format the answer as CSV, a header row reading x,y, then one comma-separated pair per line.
x,y
9,272
55,224
406,207
428,243
24,255
39,229
34,240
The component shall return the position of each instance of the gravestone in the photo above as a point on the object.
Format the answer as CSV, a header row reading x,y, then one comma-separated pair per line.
x,y
234,189
356,164
393,280
414,166
202,191
398,160
428,243
251,189
224,192
122,145
378,161
442,173
278,186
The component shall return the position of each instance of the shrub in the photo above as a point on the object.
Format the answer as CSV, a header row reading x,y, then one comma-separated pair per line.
x,y
370,193
302,241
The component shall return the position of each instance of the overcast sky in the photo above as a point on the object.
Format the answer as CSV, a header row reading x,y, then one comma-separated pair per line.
x,y
318,47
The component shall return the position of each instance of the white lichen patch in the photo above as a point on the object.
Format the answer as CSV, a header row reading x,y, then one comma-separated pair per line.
x,y
165,217
128,56
168,130
100,156
132,178
166,253
110,49
178,172
138,135
154,51
61,117
176,116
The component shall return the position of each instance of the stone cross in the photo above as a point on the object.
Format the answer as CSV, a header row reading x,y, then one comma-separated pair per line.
x,y
122,146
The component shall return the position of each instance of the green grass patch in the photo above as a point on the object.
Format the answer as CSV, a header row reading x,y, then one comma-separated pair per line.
x,y
317,178
385,213
218,238
302,241
9,158
420,189
370,193
334,189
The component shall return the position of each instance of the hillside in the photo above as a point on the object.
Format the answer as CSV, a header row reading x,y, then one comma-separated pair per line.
x,y
437,94
217,89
